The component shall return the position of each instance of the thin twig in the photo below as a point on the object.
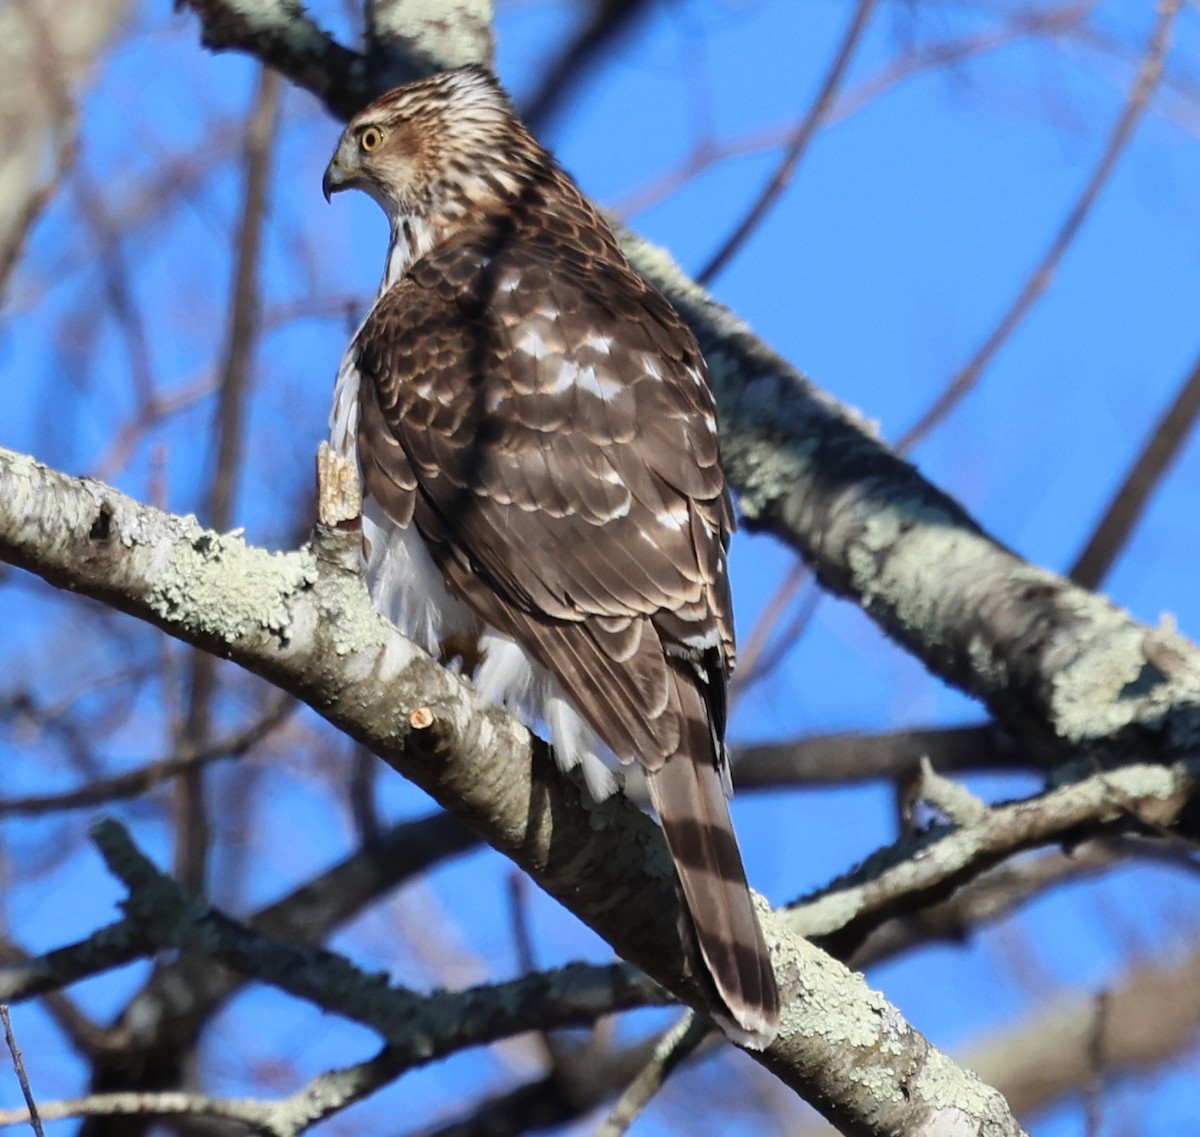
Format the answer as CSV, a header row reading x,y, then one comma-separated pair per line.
x,y
518,916
118,290
779,181
787,167
133,783
676,1045
915,62
765,658
1129,502
1039,280
1127,506
609,21
249,1112
19,1065
1095,1050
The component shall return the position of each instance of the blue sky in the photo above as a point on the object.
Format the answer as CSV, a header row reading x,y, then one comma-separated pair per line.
x,y
904,236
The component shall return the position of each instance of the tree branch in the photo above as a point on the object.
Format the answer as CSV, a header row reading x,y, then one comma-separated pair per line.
x,y
418,1028
926,868
1151,1013
304,621
106,948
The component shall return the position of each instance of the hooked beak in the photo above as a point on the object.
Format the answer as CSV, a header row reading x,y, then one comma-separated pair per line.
x,y
343,170
335,178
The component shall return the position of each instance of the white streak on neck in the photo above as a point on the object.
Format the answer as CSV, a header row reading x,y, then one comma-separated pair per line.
x,y
404,250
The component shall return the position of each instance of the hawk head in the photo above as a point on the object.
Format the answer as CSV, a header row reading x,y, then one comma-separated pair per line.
x,y
440,144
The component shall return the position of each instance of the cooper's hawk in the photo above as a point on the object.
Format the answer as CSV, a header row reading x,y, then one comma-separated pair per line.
x,y
538,446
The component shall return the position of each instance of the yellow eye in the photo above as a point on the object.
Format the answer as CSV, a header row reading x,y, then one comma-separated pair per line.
x,y
370,138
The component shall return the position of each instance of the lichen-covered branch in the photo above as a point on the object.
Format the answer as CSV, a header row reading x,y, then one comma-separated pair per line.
x,y
417,1028
284,36
407,38
437,33
924,869
112,946
304,621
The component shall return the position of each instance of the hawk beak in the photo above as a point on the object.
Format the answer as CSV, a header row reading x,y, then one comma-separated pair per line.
x,y
342,172
334,179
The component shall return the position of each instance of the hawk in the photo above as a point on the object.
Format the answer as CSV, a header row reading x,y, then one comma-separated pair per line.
x,y
537,441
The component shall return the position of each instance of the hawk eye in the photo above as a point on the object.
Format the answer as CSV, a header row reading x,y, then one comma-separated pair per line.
x,y
370,138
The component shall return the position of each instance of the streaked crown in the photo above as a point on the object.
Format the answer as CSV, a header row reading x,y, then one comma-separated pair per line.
x,y
444,144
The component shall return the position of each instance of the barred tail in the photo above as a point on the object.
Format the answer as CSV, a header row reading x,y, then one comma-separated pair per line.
x,y
688,793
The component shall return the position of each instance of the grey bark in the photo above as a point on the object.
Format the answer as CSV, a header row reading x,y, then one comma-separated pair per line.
x,y
303,620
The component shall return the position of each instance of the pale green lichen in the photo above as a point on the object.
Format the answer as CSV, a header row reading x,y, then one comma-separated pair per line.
x,y
218,586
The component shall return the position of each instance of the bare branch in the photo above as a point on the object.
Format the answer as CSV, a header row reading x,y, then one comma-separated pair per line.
x,y
926,868
133,783
285,37
786,169
1129,502
607,22
249,1112
47,49
1151,1014
418,37
186,998
1025,23
19,1065
106,948
193,827
840,759
674,1047
418,1028
994,895
1144,84
1049,659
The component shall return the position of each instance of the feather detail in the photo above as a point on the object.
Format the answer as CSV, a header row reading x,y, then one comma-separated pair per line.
x,y
688,794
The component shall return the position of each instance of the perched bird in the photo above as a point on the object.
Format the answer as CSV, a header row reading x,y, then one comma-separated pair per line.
x,y
537,441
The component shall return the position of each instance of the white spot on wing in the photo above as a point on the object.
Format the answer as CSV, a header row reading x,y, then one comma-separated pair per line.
x,y
673,518
531,343
650,366
596,383
568,374
700,641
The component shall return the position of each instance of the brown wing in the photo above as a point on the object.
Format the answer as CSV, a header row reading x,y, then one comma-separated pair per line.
x,y
546,422
553,438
